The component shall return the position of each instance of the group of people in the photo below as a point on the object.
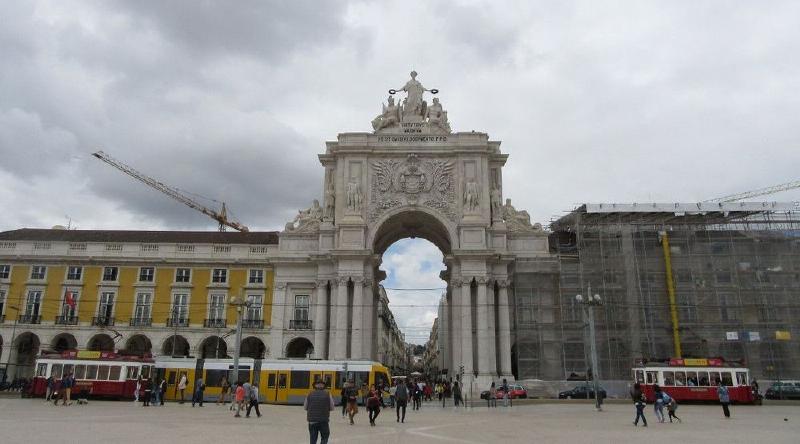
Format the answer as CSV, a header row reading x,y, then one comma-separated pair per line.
x,y
663,399
60,389
150,392
491,398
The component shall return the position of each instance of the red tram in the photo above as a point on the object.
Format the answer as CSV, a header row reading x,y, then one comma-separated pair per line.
x,y
694,379
97,374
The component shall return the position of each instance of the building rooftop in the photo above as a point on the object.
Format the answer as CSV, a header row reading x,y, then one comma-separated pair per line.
x,y
182,237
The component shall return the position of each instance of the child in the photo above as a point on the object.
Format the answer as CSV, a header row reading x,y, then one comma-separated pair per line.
x,y
671,407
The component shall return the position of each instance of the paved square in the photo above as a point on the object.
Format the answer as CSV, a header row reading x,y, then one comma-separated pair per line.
x,y
25,420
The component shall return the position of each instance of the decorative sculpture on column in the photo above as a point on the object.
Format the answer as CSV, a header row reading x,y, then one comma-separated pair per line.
x,y
306,220
471,196
330,202
354,197
497,204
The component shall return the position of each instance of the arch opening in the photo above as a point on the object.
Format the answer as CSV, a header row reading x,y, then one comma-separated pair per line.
x,y
252,347
181,346
299,348
26,347
63,342
213,347
412,224
101,342
138,345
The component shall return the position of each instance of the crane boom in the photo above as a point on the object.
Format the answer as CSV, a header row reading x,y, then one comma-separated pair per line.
x,y
758,192
221,217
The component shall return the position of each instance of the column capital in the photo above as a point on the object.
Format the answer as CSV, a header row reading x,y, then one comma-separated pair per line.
x,y
368,282
455,282
482,280
280,285
342,280
321,283
503,283
358,280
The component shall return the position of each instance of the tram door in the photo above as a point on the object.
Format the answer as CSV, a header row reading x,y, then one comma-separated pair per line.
x,y
282,389
270,390
172,382
325,376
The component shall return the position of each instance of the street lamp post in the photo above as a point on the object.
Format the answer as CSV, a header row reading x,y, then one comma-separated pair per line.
x,y
13,337
239,302
588,306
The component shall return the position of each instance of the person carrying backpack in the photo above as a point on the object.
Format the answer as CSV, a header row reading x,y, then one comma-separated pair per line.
x,y
401,400
253,400
639,402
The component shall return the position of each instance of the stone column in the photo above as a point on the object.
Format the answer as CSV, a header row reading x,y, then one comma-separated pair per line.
x,y
504,328
465,302
278,319
487,365
356,346
454,329
320,324
369,336
340,349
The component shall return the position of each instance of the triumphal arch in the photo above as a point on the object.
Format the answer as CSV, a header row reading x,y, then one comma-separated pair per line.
x,y
411,176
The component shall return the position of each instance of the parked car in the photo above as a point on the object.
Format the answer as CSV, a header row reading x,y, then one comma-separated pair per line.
x,y
581,392
783,390
515,391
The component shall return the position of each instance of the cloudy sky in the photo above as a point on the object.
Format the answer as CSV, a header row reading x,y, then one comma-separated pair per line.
x,y
594,101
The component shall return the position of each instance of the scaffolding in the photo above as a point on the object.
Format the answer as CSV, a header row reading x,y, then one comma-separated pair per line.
x,y
735,270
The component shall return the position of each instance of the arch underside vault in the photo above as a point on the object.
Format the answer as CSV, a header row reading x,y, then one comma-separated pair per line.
x,y
411,224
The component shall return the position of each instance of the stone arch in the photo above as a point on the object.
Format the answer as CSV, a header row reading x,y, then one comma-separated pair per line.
x,y
181,346
404,223
213,347
26,346
139,345
252,347
64,341
100,342
299,347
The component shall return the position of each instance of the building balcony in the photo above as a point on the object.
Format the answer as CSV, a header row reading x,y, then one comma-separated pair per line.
x,y
30,319
141,322
66,320
102,321
215,323
177,322
252,323
300,324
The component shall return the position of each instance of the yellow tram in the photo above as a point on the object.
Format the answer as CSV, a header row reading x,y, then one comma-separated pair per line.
x,y
280,381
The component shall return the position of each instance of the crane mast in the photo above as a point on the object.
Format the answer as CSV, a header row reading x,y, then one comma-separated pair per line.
x,y
221,217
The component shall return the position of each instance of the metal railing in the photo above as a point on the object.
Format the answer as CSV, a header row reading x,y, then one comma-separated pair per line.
x,y
29,319
214,323
300,324
102,321
67,320
141,322
177,322
252,323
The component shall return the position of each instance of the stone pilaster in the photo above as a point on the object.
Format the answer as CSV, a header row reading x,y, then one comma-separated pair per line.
x,y
278,318
356,343
340,338
320,319
504,329
465,304
487,365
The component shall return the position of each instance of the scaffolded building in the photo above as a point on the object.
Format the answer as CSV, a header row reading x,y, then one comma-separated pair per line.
x,y
676,280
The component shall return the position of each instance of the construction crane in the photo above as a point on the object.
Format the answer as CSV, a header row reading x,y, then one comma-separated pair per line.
x,y
758,192
221,216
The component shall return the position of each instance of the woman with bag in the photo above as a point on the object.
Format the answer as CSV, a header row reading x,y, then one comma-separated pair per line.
x,y
352,402
373,405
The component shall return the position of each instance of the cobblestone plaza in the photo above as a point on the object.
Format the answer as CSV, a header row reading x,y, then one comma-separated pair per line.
x,y
573,422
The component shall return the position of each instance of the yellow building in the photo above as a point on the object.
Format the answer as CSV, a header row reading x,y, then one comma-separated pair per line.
x,y
164,293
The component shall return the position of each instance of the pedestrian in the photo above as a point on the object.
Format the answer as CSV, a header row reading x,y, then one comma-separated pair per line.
x,y
724,398
163,389
199,392
491,400
639,402
373,405
147,391
456,395
156,393
352,401
672,405
66,385
137,390
182,387
58,390
253,400
392,391
343,399
318,406
658,404
507,401
225,386
51,384
417,396
446,392
239,397
401,400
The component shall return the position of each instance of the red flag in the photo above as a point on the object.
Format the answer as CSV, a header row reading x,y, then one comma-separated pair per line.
x,y
69,299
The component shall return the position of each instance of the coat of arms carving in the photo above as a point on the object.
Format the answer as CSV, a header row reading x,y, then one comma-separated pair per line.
x,y
412,181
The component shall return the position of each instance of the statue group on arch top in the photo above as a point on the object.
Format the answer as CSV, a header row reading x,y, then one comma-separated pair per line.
x,y
413,114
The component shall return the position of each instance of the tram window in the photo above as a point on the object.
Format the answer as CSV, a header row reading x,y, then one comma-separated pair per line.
x,y
327,379
171,378
146,371
41,370
703,378
714,378
67,369
80,371
102,372
340,379
271,380
282,380
301,379
691,378
361,378
132,372
669,378
55,372
214,377
381,379
114,372
680,378
91,372
639,376
741,378
652,377
727,379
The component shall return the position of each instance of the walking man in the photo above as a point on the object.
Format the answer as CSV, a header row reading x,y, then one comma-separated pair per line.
x,y
51,383
199,389
724,398
163,388
401,400
182,387
639,403
507,401
253,400
156,392
318,406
